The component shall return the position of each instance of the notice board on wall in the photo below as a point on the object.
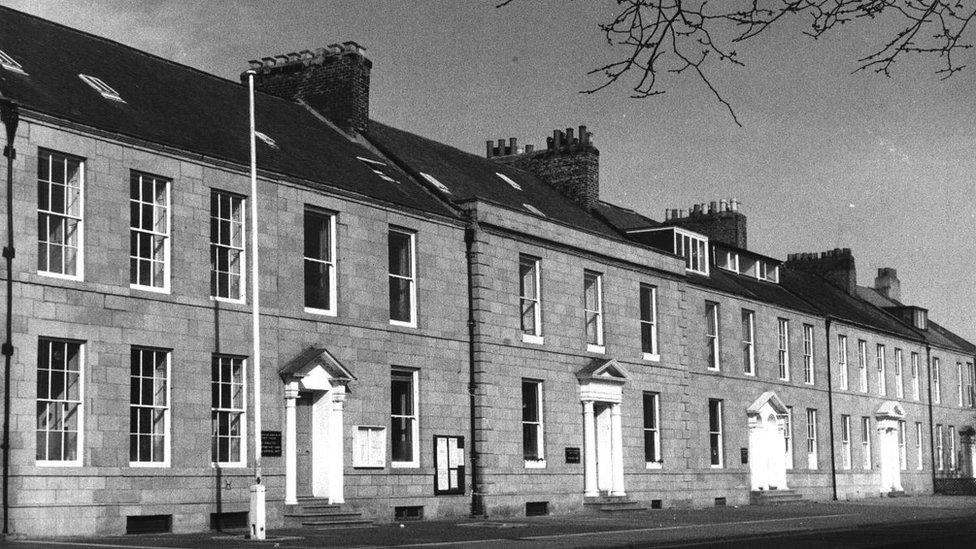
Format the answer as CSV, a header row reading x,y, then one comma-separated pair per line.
x,y
448,465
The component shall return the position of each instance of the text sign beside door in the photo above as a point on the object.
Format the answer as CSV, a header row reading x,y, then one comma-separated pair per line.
x,y
448,465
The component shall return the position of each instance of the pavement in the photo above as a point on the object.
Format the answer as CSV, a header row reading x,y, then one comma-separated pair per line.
x,y
928,521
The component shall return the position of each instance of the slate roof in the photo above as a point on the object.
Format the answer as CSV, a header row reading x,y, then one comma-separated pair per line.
x,y
177,106
467,176
936,333
624,219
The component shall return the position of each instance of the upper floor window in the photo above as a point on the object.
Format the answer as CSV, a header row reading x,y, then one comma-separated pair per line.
x,y
149,407
808,364
593,310
403,279
60,214
784,349
862,365
227,411
692,248
60,398
959,377
148,231
648,322
748,342
842,360
320,261
970,377
882,371
227,246
766,271
403,418
530,299
712,350
727,260
916,393
899,374
936,380
532,441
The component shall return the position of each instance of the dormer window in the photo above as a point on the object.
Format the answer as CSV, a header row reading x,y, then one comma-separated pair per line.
x,y
767,271
727,260
378,168
509,180
101,87
8,63
692,246
433,181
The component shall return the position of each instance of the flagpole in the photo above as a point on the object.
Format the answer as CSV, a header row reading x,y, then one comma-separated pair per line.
x,y
257,514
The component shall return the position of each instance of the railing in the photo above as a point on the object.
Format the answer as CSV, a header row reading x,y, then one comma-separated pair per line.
x,y
955,486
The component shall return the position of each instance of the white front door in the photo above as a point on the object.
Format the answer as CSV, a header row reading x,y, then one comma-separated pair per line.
x,y
604,448
767,457
889,455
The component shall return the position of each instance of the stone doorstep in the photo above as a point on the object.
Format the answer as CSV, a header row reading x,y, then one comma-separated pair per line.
x,y
612,504
319,514
774,497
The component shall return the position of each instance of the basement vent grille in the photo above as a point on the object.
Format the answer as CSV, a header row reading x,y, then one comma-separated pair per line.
x,y
536,508
8,63
228,521
101,87
412,512
509,180
148,524
433,181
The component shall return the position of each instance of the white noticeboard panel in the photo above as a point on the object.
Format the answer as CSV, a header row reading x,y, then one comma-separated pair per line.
x,y
369,446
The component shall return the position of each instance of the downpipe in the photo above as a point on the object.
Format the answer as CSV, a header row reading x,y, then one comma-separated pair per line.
x,y
10,116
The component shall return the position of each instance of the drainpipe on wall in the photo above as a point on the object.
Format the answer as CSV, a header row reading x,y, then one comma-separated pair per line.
x,y
928,371
830,415
477,498
10,117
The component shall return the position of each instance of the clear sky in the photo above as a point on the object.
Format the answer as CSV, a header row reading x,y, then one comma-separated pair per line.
x,y
825,159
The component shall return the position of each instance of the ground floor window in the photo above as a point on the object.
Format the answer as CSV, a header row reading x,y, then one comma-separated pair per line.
x,y
845,430
865,443
811,438
59,401
405,441
532,442
149,406
715,433
652,429
227,410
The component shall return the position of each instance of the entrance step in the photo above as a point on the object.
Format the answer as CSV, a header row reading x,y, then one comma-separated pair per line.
x,y
897,494
774,497
320,514
612,504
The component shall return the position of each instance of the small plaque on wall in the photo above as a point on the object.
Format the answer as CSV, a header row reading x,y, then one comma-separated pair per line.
x,y
270,443
572,455
744,454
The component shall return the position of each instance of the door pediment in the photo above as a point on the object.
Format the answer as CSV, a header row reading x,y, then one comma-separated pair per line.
x,y
890,410
602,381
766,402
316,369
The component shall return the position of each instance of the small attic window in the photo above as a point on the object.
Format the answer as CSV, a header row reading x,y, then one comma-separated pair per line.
x,y
509,180
533,209
101,87
433,181
377,168
266,139
8,63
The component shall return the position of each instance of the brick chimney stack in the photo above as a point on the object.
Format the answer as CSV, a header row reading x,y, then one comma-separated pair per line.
x,y
719,221
887,283
570,163
835,265
334,81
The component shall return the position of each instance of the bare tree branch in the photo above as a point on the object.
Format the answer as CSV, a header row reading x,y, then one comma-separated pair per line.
x,y
659,38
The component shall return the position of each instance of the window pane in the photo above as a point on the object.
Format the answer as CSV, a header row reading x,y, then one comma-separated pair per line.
x,y
400,307
399,256
530,401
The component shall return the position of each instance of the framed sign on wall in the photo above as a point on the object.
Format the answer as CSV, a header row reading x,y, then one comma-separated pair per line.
x,y
448,465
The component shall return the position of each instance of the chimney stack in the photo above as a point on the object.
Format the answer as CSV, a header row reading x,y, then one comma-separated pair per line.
x,y
570,163
887,283
837,266
720,221
334,81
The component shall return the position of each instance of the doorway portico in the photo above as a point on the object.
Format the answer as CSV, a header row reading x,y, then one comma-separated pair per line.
x,y
888,416
601,393
317,375
767,443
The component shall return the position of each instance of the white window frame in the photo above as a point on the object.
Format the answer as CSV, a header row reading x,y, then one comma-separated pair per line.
x,y
137,178
413,418
241,411
749,342
866,443
809,375
216,246
842,362
918,446
916,392
412,278
952,447
77,217
10,63
693,248
959,376
812,462
936,380
79,404
862,365
535,301
783,348
99,85
939,457
970,375
712,340
371,164
902,450
788,435
597,312
655,354
653,431
540,461
330,264
846,454
882,370
899,373
717,436
165,408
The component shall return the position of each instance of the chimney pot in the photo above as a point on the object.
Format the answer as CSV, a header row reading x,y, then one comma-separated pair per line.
x,y
513,144
488,147
713,207
255,64
529,148
681,213
583,135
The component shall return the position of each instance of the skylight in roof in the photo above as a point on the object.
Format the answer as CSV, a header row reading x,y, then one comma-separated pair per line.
x,y
533,209
266,139
509,180
101,87
377,168
433,181
8,63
